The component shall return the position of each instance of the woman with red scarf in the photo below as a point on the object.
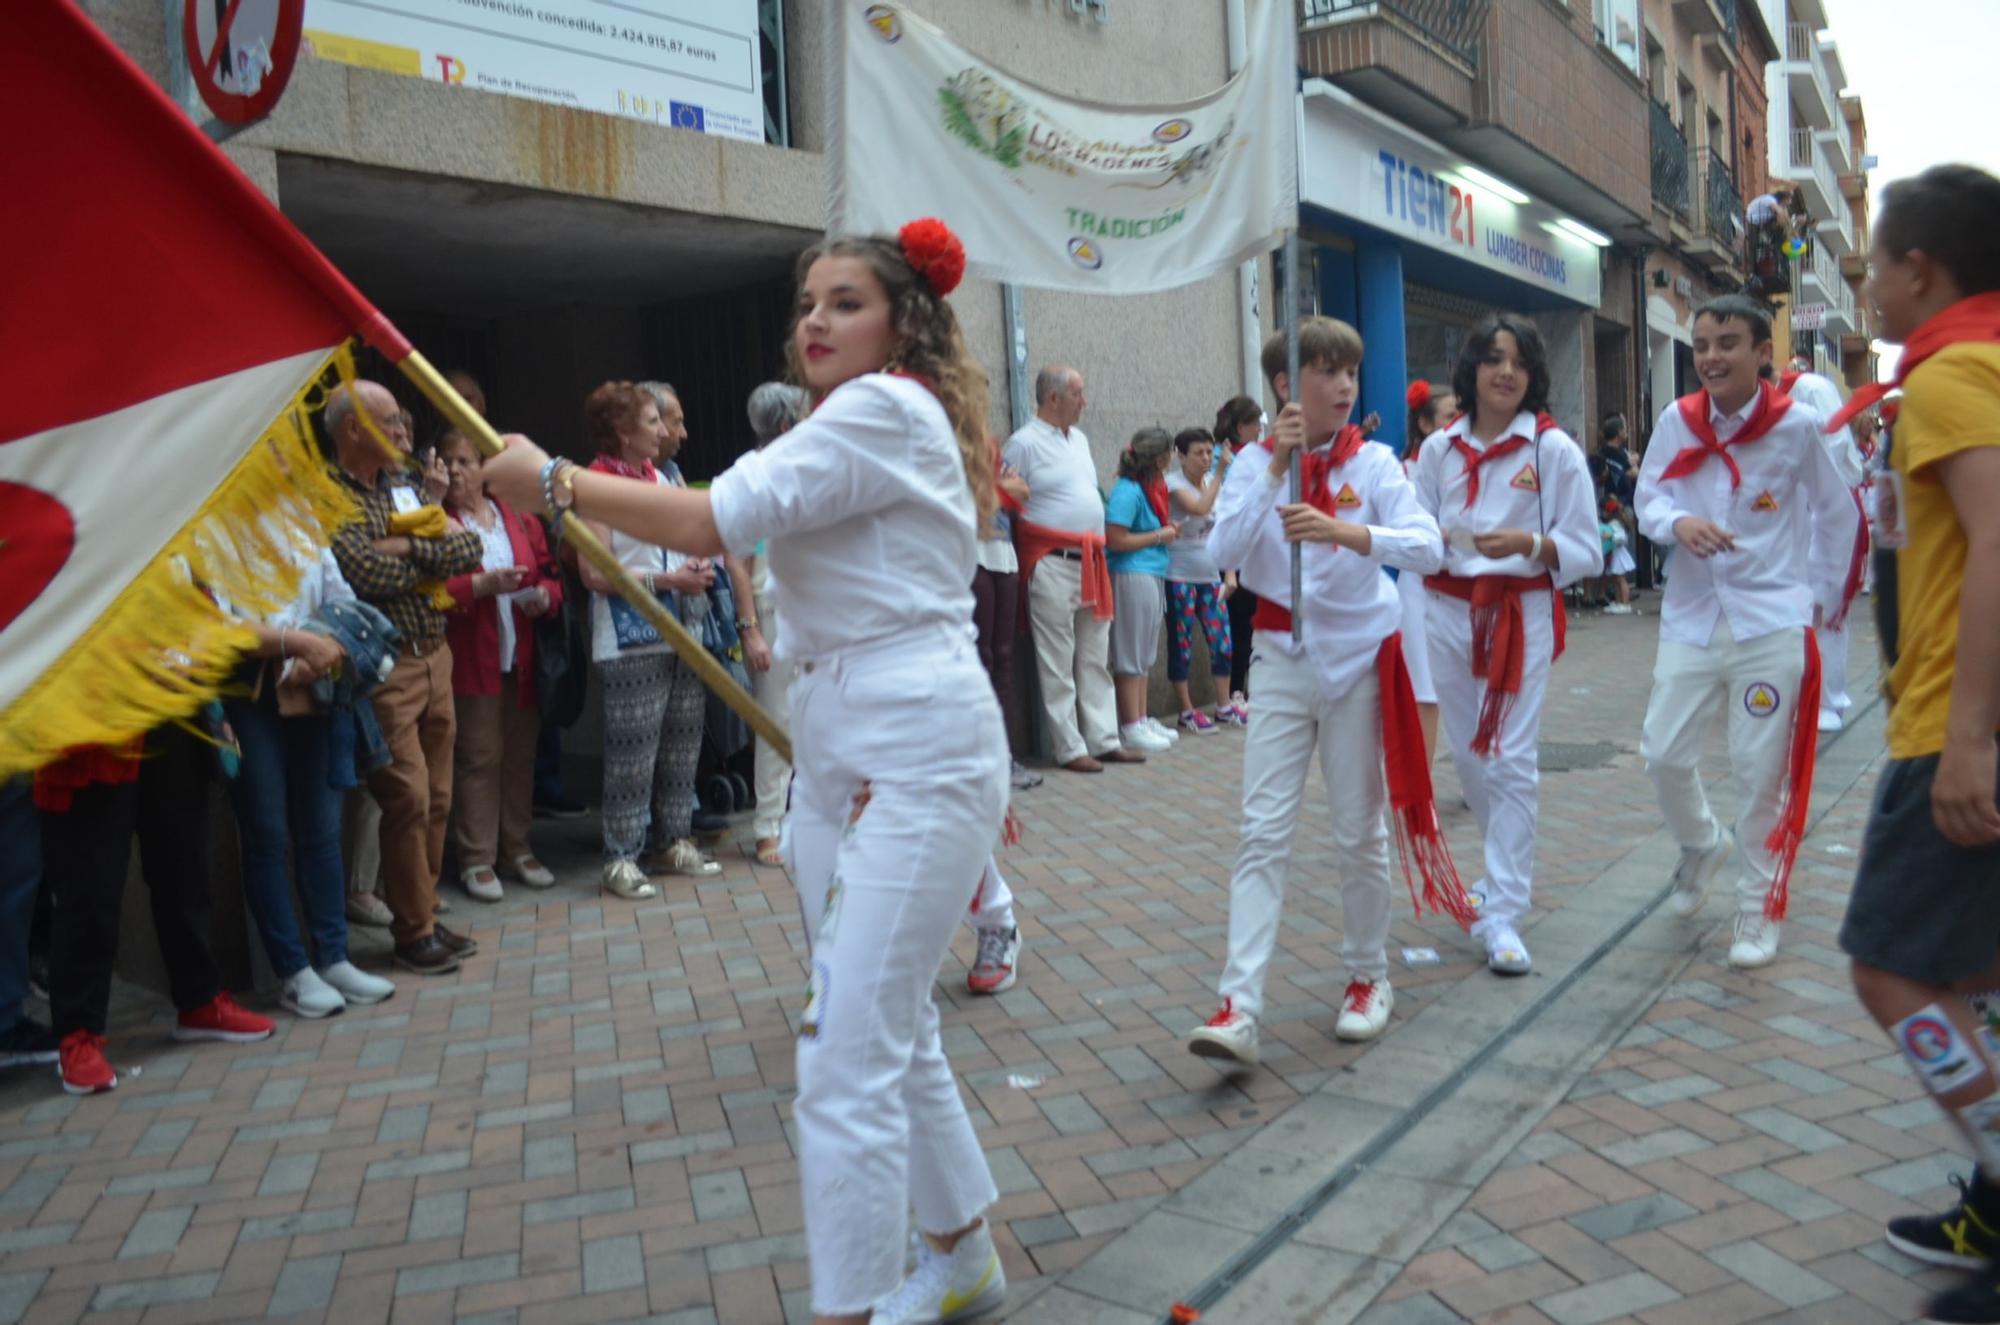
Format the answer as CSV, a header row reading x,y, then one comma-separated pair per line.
x,y
653,705
1137,536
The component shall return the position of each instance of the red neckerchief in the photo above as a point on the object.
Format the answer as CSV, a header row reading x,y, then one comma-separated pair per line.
x,y
1156,497
1786,381
1771,406
1975,319
1315,465
611,464
1475,458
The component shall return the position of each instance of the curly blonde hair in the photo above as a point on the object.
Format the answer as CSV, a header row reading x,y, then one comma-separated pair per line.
x,y
929,345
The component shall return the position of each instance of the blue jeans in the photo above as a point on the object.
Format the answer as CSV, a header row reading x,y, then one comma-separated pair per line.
x,y
20,880
284,801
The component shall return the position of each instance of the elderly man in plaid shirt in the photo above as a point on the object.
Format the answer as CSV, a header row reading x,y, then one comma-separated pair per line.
x,y
398,573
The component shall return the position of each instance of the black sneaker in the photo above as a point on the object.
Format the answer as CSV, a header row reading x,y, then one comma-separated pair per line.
x,y
559,807
1972,1302
28,1043
1967,1239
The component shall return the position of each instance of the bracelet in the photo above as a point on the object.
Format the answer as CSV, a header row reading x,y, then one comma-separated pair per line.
x,y
558,472
1535,552
742,626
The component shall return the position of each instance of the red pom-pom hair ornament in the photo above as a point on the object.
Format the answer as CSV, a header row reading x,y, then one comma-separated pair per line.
x,y
1419,395
934,253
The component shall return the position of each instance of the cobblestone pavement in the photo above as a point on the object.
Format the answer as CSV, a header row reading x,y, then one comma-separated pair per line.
x,y
592,1122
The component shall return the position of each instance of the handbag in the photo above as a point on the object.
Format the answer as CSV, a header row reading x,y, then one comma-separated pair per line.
x,y
562,648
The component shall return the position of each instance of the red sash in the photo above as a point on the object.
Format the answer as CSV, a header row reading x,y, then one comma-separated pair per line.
x,y
1035,541
1771,406
1790,829
1499,641
1413,815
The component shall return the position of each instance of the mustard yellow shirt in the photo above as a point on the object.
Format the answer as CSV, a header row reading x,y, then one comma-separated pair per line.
x,y
1950,404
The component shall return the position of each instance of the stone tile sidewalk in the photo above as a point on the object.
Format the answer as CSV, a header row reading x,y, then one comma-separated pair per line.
x,y
591,1122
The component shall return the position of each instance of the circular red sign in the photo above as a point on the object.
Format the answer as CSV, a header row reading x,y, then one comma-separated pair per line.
x,y
284,20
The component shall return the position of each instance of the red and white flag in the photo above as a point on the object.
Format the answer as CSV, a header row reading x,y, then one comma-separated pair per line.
x,y
165,330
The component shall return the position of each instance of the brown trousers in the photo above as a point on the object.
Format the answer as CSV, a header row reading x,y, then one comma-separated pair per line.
x,y
493,777
415,710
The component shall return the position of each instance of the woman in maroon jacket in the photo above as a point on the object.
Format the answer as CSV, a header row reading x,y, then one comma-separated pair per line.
x,y
492,636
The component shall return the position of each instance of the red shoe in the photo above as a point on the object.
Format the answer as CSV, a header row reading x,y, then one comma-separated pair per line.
x,y
222,1019
83,1067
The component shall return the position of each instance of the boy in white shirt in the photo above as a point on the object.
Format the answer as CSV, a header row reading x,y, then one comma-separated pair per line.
x,y
1341,687
1737,476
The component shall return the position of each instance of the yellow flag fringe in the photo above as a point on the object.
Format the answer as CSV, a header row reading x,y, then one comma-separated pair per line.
x,y
167,642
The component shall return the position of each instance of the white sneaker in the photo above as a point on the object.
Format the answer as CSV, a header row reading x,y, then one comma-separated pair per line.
x,y
1697,869
1229,1034
1830,720
311,997
993,970
1756,942
481,883
1506,954
1160,729
1365,1010
1138,736
624,878
961,1284
1618,609
356,985
685,858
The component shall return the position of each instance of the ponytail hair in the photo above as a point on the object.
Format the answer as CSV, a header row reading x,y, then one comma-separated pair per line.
x,y
1140,460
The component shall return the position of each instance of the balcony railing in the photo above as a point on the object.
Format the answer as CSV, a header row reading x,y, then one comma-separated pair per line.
x,y
1455,25
1723,205
1802,47
1834,289
1670,163
1807,160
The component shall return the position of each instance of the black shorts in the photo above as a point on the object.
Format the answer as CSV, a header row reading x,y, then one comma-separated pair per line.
x,y
1921,908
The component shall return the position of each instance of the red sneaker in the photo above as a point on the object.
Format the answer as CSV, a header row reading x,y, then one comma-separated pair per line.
x,y
222,1019
82,1066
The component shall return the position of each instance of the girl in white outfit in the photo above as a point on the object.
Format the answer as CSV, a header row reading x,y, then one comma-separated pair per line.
x,y
871,507
1512,493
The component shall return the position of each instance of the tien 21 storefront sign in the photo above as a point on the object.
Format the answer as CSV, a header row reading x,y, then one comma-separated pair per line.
x,y
1361,164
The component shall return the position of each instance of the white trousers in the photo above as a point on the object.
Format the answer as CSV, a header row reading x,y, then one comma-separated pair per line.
x,y
773,775
993,905
1501,789
881,1125
1071,652
1755,687
1833,669
1290,717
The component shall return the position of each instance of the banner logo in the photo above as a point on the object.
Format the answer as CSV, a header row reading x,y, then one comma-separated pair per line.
x,y
1761,700
1085,254
887,26
451,69
985,116
684,116
1173,131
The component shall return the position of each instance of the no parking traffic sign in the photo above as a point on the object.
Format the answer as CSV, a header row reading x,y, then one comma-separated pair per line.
x,y
241,53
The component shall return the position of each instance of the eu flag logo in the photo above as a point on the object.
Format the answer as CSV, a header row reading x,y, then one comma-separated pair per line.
x,y
687,117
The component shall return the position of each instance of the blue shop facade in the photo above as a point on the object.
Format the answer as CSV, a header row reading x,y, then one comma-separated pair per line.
x,y
1414,245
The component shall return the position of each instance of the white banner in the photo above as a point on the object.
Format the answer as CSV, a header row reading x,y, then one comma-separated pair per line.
x,y
694,64
1053,191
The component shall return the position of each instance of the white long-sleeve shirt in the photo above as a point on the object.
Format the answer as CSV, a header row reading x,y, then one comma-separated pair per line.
x,y
1823,399
1543,488
868,516
1350,605
1793,518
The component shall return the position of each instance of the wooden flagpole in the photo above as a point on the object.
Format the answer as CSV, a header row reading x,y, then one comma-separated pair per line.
x,y
685,646
1291,394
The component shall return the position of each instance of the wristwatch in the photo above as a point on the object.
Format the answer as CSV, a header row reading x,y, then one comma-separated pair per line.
x,y
742,626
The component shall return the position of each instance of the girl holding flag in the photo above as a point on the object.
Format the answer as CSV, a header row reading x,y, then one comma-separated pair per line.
x,y
871,507
1513,495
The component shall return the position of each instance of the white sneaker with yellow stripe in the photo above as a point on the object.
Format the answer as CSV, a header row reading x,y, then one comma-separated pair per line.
x,y
961,1284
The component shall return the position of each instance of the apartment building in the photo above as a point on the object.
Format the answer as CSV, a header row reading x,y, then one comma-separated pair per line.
x,y
1812,149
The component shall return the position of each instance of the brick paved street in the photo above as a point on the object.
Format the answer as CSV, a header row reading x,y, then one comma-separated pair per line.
x,y
591,1122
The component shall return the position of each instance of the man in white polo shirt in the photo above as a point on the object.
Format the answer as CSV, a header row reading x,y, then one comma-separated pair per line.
x,y
1061,537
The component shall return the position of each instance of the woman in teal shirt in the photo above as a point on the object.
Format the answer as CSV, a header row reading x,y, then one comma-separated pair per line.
x,y
1136,537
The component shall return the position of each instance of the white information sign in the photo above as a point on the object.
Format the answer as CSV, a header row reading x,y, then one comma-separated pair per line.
x,y
694,64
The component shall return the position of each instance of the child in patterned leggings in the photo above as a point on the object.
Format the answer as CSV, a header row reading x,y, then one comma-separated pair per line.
x,y
1195,594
